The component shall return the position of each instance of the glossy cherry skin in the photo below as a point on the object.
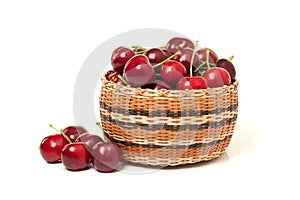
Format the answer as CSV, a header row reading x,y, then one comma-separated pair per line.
x,y
185,58
227,64
72,132
213,57
155,55
75,156
157,85
217,77
167,53
51,147
89,140
107,157
119,58
191,83
138,71
173,44
172,71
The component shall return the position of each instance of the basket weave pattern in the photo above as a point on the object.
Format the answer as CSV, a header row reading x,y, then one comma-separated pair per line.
x,y
168,127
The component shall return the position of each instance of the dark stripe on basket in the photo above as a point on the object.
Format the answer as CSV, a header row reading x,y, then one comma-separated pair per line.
x,y
153,127
153,146
168,113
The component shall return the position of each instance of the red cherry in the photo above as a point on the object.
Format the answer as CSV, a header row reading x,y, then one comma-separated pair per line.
x,y
167,53
172,71
119,58
75,156
157,85
217,77
227,64
213,57
115,77
138,71
191,83
72,132
177,43
155,55
51,147
106,157
89,140
186,58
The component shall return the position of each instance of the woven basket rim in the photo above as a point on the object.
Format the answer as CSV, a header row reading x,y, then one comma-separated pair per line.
x,y
139,90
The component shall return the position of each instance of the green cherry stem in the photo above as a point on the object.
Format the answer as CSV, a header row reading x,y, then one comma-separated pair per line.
x,y
105,139
169,58
193,56
180,46
231,57
199,67
61,132
122,79
207,58
139,49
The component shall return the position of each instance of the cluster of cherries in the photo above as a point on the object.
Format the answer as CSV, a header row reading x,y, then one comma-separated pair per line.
x,y
77,150
177,65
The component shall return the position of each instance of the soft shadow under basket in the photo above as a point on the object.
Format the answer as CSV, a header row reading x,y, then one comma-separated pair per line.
x,y
168,127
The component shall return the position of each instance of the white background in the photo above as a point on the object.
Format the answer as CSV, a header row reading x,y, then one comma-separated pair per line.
x,y
43,45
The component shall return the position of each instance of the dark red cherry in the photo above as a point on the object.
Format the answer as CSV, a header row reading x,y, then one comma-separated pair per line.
x,y
217,77
186,57
157,85
72,132
119,58
196,74
167,53
155,55
75,156
51,147
172,71
115,77
89,140
138,71
106,157
177,43
213,57
227,64
191,83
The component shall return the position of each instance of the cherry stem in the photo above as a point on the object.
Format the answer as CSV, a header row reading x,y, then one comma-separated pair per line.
x,y
122,79
61,132
139,49
193,56
207,58
199,67
169,58
163,47
202,73
231,57
104,138
180,46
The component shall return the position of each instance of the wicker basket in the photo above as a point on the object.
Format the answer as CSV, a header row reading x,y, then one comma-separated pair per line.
x,y
168,127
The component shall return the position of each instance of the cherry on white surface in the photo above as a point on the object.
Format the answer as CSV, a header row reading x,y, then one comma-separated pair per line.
x,y
43,46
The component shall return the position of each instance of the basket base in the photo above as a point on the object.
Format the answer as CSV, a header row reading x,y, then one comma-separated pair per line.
x,y
173,156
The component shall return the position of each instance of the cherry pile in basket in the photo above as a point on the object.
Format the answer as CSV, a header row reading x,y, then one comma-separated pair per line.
x,y
177,65
78,150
